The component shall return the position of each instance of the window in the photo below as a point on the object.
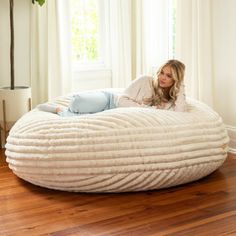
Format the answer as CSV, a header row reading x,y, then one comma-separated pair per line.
x,y
85,31
90,44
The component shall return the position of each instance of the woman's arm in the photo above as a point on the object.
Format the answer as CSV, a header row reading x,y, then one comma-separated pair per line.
x,y
139,88
126,101
134,94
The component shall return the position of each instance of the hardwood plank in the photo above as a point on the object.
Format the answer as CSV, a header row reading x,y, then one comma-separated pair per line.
x,y
2,157
207,205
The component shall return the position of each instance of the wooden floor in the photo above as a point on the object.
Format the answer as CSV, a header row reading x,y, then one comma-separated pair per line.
x,y
206,207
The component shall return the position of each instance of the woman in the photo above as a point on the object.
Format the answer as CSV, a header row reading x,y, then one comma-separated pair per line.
x,y
165,91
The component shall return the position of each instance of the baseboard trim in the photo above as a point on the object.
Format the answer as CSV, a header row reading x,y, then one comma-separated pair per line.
x,y
231,150
232,135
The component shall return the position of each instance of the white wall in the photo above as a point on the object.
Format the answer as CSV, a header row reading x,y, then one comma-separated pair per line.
x,y
22,42
224,63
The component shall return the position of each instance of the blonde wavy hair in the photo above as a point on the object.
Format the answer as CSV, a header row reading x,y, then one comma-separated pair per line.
x,y
177,72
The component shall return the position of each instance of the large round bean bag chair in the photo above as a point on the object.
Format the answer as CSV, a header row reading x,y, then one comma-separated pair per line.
x,y
118,150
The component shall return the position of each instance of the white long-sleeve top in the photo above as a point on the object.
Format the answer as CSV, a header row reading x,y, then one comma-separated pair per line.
x,y
142,88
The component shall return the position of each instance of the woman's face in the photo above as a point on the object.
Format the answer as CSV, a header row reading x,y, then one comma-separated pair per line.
x,y
165,77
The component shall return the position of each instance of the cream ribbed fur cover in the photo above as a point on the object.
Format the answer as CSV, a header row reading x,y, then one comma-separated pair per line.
x,y
124,149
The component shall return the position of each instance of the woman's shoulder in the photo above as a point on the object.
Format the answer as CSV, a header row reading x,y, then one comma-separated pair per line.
x,y
143,79
143,82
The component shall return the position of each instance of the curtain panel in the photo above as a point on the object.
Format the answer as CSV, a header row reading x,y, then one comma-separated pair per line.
x,y
194,47
139,36
50,50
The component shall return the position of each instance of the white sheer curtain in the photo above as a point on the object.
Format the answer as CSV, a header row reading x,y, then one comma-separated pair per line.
x,y
152,35
139,33
50,50
120,40
194,47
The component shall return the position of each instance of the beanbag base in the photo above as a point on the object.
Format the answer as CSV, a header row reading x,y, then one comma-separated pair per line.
x,y
118,150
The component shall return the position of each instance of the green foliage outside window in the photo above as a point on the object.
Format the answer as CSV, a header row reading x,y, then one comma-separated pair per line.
x,y
85,28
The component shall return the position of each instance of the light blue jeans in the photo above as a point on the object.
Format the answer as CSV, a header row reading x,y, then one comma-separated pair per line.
x,y
89,103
